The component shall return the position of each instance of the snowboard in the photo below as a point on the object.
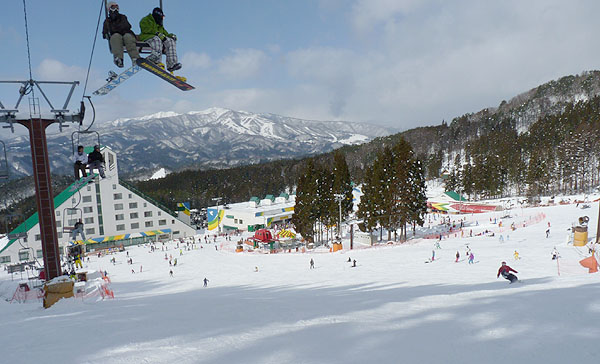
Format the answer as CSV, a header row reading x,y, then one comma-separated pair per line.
x,y
116,81
82,182
164,74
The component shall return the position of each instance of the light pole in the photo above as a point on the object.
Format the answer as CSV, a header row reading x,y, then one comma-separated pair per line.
x,y
339,198
218,199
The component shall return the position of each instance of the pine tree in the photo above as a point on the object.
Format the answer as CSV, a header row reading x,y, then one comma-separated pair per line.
x,y
305,210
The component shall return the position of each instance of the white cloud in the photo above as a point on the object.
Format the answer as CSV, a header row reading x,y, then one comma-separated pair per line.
x,y
243,63
54,70
367,14
193,60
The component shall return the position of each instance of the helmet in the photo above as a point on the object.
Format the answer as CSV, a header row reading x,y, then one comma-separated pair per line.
x,y
503,263
96,147
112,6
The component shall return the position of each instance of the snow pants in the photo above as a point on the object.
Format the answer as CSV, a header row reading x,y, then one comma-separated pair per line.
x,y
116,45
511,277
158,45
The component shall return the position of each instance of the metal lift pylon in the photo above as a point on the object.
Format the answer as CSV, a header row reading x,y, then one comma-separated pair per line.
x,y
36,124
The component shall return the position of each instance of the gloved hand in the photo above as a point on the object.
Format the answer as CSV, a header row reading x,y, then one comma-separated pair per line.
x,y
173,36
161,36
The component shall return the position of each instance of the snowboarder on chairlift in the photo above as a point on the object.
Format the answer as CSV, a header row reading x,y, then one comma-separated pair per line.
x,y
77,229
80,160
118,31
96,161
505,270
154,33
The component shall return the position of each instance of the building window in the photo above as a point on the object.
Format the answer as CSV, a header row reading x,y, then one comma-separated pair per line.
x,y
241,222
133,215
162,222
145,204
89,220
117,196
88,210
90,231
159,213
24,255
39,253
60,235
71,222
175,232
58,223
114,187
89,188
86,199
120,227
57,213
135,225
147,213
148,224
118,206
133,205
5,259
119,217
38,237
130,195
235,221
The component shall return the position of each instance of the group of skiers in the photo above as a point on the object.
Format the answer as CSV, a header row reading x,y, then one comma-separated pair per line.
x,y
117,30
94,160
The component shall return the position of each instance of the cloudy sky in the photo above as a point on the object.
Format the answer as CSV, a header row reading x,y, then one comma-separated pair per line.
x,y
397,63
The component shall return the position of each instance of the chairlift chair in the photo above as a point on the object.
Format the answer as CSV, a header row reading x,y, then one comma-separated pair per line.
x,y
67,227
3,162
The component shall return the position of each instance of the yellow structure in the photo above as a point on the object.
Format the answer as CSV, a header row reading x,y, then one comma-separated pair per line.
x,y
580,236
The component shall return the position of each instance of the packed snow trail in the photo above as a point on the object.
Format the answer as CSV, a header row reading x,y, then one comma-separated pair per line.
x,y
390,308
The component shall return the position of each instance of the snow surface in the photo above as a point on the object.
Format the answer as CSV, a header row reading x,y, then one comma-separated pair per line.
x,y
161,173
391,308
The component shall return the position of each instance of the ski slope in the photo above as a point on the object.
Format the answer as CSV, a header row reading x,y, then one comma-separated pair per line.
x,y
391,308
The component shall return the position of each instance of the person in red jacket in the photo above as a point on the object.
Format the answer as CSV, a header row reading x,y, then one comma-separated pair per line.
x,y
505,270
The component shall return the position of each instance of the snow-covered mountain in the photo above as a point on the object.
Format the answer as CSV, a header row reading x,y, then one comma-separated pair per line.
x,y
213,138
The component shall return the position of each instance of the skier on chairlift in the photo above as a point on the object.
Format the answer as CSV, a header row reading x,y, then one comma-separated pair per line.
x,y
154,33
96,161
118,31
80,160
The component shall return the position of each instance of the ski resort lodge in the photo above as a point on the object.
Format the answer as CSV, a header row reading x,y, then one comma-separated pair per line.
x,y
251,215
113,213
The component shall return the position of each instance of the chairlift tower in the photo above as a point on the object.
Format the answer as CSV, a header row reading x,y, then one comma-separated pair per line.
x,y
36,124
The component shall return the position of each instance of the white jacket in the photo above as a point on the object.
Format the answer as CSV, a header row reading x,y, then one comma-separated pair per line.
x,y
82,158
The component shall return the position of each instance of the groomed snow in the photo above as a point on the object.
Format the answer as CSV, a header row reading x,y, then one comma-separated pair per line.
x,y
391,308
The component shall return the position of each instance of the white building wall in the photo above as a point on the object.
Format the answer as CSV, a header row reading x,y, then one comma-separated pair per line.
x,y
121,212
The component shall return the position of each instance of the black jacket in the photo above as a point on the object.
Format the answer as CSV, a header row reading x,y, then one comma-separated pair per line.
x,y
95,156
118,25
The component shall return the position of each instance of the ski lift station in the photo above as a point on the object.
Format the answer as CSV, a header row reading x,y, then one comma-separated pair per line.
x,y
113,213
251,215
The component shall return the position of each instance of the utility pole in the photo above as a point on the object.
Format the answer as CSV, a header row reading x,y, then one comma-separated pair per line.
x,y
218,199
41,161
339,198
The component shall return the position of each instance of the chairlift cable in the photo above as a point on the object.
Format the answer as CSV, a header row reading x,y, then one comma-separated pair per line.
x,y
28,53
93,47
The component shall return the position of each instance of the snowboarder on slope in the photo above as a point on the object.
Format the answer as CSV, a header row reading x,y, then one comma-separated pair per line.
x,y
312,263
505,270
457,256
205,282
471,258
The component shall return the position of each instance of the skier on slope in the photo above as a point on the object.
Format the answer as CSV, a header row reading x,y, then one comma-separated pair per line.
x,y
505,270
